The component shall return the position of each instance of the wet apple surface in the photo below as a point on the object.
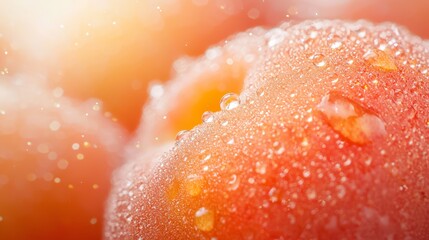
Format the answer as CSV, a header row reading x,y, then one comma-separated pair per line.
x,y
327,139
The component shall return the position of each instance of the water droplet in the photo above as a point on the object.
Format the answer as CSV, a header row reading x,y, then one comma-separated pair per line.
x,y
274,194
276,36
181,134
311,194
233,183
207,117
336,44
352,121
204,219
261,167
334,78
306,173
362,33
318,60
251,180
230,141
278,148
368,161
341,191
206,158
381,60
194,185
229,101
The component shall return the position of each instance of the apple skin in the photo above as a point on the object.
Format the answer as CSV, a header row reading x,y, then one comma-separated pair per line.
x,y
329,141
56,160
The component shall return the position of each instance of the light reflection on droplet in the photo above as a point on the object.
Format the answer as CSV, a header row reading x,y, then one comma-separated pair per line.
x,y
318,60
229,101
207,117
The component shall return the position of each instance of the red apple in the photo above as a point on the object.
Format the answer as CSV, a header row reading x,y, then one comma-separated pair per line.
x,y
327,140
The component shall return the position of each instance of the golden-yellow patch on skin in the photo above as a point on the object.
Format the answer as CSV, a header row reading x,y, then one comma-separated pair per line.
x,y
194,185
380,60
204,219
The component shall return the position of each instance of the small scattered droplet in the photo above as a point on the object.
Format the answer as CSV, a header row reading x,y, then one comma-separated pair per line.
x,y
351,120
229,101
341,191
274,194
207,117
306,173
381,60
261,167
336,44
204,219
318,60
278,148
311,194
194,185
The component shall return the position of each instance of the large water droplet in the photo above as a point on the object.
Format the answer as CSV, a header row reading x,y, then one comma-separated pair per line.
x,y
207,117
318,60
352,121
229,101
380,60
204,219
181,134
233,183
